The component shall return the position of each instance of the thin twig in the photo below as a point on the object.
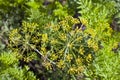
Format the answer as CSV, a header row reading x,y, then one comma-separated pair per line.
x,y
44,57
36,50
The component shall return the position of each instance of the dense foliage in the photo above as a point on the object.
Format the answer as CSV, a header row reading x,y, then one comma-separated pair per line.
x,y
59,39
